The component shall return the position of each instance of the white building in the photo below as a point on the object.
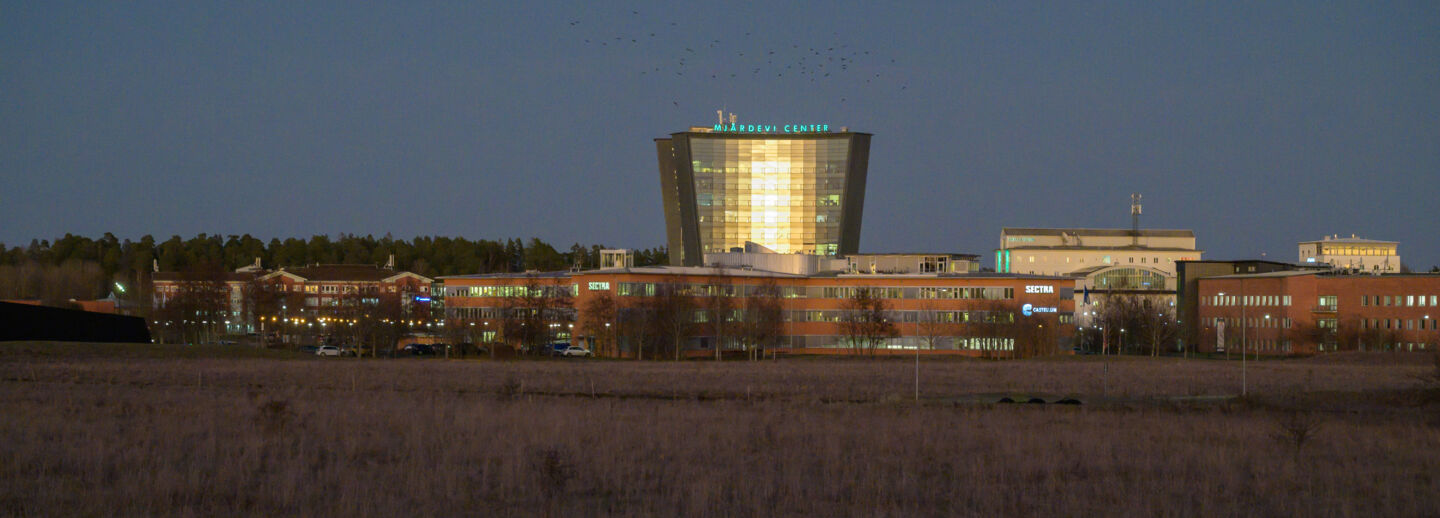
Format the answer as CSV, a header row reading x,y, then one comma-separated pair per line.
x,y
1352,253
1064,251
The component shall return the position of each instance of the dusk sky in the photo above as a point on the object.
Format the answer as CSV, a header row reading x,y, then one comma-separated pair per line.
x,y
1257,126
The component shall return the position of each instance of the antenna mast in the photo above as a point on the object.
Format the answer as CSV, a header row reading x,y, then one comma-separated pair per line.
x,y
1135,219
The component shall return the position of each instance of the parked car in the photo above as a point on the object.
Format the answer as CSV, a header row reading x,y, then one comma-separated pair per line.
x,y
308,349
327,350
420,350
577,350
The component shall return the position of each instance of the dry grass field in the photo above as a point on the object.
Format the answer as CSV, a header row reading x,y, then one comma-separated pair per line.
x,y
149,430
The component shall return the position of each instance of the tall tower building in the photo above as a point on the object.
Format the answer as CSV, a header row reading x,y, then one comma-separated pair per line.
x,y
792,188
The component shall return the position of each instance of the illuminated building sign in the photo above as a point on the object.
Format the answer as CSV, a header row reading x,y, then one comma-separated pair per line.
x,y
1039,289
770,128
599,286
1028,309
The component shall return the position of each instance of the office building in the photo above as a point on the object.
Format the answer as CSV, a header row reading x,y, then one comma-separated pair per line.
x,y
1352,253
791,188
983,314
1307,311
1064,251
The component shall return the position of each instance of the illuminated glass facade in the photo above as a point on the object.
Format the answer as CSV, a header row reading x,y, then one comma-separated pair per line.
x,y
787,192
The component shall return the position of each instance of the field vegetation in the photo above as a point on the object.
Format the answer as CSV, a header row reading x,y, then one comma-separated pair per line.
x,y
143,430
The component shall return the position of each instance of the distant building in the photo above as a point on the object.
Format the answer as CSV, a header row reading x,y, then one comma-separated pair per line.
x,y
1352,253
1187,286
810,264
301,294
1307,311
1064,251
977,314
792,188
228,315
903,263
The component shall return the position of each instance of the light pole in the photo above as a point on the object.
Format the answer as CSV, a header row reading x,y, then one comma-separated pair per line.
x,y
1244,341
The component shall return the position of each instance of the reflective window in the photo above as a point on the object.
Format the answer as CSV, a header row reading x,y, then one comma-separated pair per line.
x,y
784,194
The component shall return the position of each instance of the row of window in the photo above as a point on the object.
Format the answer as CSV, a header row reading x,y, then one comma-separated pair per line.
x,y
1400,300
649,289
1388,323
549,290
1250,300
1253,322
1105,259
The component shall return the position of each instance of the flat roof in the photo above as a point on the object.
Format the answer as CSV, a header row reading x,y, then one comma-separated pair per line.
x,y
907,254
1265,275
706,271
1095,232
1352,240
1123,247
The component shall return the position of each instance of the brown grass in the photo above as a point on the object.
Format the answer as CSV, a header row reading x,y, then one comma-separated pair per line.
x,y
96,435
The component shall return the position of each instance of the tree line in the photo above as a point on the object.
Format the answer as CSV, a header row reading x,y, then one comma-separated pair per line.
x,y
81,267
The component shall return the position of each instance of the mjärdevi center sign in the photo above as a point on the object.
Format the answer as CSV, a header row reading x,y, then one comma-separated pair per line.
x,y
771,128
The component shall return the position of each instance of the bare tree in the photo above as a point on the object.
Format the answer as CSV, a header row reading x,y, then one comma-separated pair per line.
x,y
673,311
199,304
763,318
719,306
531,317
1137,323
599,323
637,326
933,326
992,322
864,322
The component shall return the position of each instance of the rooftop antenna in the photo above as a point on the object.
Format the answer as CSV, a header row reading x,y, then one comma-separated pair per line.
x,y
732,118
1135,219
720,116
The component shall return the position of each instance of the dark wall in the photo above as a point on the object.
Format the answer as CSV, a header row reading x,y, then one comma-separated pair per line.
x,y
26,322
854,197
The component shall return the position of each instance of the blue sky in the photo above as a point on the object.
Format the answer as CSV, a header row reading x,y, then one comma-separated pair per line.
x,y
1258,125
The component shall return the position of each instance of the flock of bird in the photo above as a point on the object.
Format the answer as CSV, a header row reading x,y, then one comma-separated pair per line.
x,y
719,59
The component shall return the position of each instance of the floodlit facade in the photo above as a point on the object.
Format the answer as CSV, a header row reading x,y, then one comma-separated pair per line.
x,y
1352,253
1064,251
788,188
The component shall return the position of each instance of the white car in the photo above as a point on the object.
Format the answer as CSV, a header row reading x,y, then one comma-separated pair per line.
x,y
327,350
576,350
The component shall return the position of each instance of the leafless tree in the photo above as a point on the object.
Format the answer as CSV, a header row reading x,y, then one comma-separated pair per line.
x,y
673,312
864,321
934,326
719,306
1137,323
991,321
763,317
531,318
199,305
599,323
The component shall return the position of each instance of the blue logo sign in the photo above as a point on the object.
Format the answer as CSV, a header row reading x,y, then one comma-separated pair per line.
x,y
770,128
1028,309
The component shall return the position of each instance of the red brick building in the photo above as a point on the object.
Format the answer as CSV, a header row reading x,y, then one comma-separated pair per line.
x,y
285,300
973,314
1305,312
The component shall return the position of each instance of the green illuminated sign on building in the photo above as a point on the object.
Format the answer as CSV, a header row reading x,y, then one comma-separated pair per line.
x,y
770,128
